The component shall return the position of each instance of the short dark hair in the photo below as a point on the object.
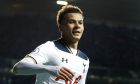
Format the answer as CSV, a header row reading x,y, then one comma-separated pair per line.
x,y
67,9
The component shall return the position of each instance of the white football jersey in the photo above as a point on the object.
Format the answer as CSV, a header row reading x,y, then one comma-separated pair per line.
x,y
56,54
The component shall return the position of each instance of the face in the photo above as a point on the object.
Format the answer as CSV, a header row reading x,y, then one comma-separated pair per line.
x,y
72,26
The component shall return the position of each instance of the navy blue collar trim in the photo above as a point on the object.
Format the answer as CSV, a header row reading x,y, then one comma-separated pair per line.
x,y
60,46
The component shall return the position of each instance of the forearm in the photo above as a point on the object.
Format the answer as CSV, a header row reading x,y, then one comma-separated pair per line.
x,y
23,68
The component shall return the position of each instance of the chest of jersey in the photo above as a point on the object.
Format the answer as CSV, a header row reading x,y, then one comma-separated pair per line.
x,y
70,61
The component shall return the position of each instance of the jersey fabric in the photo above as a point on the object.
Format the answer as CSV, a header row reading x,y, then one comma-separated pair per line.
x,y
56,54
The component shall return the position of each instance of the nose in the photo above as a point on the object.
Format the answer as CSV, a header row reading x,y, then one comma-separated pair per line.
x,y
77,24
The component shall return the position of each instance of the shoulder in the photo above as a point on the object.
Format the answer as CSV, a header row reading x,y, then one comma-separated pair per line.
x,y
83,55
46,44
44,47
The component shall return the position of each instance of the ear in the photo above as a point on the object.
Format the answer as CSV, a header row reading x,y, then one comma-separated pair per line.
x,y
60,28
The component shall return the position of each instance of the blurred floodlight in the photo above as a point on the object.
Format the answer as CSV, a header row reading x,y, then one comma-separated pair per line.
x,y
62,2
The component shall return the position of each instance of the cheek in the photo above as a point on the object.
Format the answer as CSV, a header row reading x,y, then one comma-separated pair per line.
x,y
66,30
82,29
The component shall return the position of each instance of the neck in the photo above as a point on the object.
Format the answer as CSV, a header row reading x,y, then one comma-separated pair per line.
x,y
71,44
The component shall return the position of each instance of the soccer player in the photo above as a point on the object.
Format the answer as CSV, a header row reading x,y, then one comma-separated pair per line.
x,y
59,61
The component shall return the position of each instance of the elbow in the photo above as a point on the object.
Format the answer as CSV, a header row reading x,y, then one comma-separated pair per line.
x,y
14,70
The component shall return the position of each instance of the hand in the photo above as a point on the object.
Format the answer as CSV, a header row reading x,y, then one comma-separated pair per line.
x,y
65,74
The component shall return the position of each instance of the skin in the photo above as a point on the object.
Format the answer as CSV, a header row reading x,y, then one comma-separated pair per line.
x,y
71,30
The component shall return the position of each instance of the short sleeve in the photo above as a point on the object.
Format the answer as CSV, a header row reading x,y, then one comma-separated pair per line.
x,y
41,53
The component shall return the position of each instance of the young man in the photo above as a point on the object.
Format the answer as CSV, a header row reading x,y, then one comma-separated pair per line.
x,y
59,61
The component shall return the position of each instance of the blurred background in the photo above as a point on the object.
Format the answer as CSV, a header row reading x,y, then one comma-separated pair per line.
x,y
111,38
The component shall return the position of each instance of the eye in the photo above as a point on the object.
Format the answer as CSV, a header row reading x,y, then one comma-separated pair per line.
x,y
80,22
71,21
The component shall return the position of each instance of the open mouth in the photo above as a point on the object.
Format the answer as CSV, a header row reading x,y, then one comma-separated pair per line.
x,y
76,32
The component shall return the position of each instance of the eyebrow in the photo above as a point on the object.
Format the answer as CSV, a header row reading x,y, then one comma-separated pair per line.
x,y
74,19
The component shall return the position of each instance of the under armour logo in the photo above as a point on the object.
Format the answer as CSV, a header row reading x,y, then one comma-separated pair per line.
x,y
84,67
66,60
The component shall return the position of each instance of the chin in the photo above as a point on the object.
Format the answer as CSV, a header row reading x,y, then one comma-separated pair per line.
x,y
76,38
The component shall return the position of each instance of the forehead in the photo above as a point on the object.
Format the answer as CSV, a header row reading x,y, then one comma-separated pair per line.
x,y
74,16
